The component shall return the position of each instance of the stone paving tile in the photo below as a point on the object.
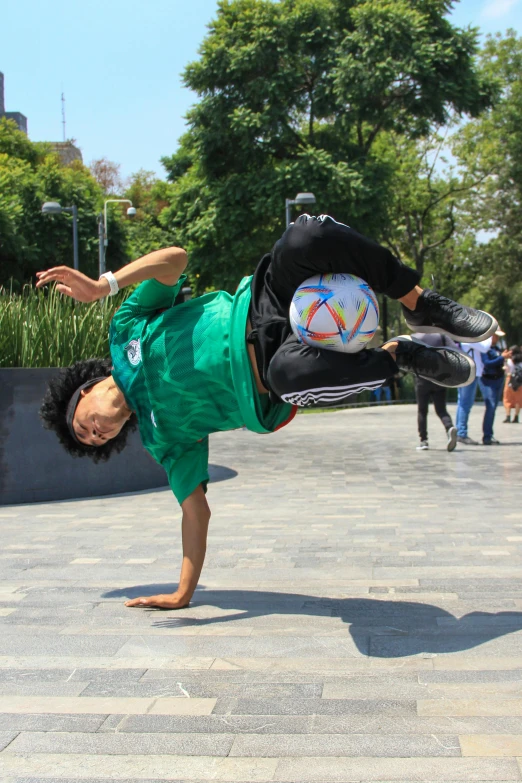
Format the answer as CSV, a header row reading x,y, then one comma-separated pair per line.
x,y
480,677
25,705
35,675
46,688
314,707
486,707
89,780
118,767
53,722
123,744
20,663
322,745
155,688
427,770
497,745
399,689
216,724
14,641
439,725
477,663
324,665
445,643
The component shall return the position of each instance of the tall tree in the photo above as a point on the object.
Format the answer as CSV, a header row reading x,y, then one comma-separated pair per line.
x,y
293,96
107,175
147,232
426,194
29,175
492,145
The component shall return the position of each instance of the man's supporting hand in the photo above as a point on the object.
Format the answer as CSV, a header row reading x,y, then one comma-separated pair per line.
x,y
194,528
164,601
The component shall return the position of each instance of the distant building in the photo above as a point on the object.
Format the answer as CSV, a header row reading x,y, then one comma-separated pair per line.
x,y
66,151
18,117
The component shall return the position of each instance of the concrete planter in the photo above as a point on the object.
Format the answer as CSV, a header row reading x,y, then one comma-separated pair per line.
x,y
35,468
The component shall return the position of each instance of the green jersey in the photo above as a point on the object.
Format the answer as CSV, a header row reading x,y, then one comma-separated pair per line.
x,y
185,371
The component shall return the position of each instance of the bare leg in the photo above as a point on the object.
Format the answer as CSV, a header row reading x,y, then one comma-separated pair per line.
x,y
391,347
410,300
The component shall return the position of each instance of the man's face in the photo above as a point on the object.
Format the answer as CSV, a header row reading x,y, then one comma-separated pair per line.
x,y
95,420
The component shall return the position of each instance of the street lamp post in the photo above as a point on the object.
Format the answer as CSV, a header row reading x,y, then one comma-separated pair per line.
x,y
301,198
54,208
103,235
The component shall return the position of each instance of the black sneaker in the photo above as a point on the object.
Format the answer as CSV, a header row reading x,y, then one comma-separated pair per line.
x,y
436,313
443,366
490,442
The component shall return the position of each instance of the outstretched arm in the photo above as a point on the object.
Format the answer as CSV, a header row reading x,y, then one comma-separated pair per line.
x,y
165,265
194,528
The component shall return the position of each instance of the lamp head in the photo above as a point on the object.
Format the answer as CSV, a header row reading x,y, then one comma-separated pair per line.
x,y
305,198
51,208
131,212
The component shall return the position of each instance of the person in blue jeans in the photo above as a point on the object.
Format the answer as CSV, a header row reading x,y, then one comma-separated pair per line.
x,y
491,384
490,379
377,394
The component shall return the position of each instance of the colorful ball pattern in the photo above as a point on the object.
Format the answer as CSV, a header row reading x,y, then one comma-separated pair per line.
x,y
338,312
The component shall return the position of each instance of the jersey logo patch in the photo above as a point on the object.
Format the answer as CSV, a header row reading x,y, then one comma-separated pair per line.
x,y
133,352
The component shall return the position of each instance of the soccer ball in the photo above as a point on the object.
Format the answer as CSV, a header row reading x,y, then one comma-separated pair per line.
x,y
337,311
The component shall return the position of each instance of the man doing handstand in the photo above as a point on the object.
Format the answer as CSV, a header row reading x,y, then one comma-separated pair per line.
x,y
219,362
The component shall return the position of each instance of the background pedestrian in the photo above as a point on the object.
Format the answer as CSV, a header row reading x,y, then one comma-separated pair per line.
x,y
513,385
427,390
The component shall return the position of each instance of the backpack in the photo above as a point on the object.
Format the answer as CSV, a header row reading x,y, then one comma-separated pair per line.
x,y
515,382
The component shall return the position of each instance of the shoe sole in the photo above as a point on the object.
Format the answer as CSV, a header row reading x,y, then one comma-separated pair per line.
x,y
471,363
458,337
452,442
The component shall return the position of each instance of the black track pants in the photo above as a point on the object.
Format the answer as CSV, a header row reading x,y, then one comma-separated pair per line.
x,y
425,391
299,373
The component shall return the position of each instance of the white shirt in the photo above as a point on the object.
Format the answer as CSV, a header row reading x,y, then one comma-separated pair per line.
x,y
476,351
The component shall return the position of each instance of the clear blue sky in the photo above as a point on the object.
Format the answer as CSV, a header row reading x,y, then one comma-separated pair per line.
x,y
119,64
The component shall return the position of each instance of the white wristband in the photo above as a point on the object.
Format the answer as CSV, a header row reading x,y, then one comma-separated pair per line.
x,y
113,283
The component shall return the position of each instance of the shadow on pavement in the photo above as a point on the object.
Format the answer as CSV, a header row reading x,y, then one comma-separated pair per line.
x,y
380,628
220,473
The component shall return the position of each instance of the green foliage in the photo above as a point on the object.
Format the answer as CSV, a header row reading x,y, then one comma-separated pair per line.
x,y
293,96
46,329
491,147
17,145
146,232
424,225
29,241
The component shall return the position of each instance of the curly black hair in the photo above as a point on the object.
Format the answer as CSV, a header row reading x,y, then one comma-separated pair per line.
x,y
516,352
54,408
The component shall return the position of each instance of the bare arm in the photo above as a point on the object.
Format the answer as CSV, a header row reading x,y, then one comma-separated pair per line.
x,y
165,265
194,528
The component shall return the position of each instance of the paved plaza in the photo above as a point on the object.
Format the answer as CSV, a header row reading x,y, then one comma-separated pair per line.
x,y
359,617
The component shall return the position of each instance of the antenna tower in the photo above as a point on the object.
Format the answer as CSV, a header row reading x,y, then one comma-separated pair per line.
x,y
63,115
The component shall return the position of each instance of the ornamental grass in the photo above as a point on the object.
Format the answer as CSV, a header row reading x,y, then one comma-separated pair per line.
x,y
43,328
